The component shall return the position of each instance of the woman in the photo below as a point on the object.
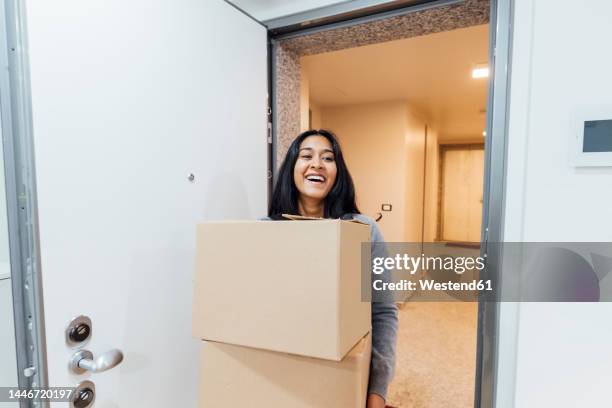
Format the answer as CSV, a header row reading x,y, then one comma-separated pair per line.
x,y
314,181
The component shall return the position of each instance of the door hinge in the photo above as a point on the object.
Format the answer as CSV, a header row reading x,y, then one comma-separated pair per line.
x,y
485,241
269,133
29,371
268,107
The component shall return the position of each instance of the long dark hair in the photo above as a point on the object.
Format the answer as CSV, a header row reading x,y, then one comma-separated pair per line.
x,y
341,198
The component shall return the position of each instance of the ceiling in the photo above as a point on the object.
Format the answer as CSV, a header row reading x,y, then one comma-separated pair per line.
x,y
432,73
263,10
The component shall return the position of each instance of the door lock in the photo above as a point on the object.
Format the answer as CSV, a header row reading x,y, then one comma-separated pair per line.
x,y
84,395
78,331
82,361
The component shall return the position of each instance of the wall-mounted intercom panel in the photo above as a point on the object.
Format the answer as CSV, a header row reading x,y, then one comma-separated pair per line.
x,y
593,139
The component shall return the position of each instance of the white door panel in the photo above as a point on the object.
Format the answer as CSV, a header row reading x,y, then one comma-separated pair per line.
x,y
128,99
8,368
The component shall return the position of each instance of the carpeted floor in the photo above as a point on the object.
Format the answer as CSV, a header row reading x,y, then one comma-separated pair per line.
x,y
436,356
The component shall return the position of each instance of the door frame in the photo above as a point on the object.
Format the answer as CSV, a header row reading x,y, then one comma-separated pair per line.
x,y
493,218
22,210
494,196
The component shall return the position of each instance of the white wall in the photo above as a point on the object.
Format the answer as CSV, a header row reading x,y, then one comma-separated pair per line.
x,y
560,65
269,9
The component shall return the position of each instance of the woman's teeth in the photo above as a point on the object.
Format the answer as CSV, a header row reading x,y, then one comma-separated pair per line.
x,y
317,179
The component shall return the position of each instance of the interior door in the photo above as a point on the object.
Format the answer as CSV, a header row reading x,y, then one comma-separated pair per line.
x,y
148,116
475,197
462,192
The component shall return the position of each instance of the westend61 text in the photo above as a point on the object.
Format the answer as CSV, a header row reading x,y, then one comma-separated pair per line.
x,y
432,285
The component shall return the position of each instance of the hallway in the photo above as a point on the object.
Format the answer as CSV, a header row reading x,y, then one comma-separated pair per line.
x,y
449,328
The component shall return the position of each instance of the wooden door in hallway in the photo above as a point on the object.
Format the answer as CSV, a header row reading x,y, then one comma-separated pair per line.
x,y
461,189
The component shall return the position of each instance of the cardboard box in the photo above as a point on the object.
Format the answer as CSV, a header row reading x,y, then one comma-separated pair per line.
x,y
286,286
235,376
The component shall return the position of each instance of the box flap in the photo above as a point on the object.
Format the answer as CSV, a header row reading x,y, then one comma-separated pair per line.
x,y
303,218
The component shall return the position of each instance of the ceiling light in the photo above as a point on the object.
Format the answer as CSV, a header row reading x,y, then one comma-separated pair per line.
x,y
484,133
480,72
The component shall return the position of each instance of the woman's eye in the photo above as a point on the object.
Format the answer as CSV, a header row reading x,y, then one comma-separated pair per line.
x,y
306,157
328,159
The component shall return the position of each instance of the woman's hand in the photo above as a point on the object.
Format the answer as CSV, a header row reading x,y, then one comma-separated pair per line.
x,y
375,401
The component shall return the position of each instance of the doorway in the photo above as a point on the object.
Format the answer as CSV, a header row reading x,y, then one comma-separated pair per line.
x,y
394,106
296,108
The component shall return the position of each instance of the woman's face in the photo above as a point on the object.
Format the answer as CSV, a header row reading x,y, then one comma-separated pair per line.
x,y
315,170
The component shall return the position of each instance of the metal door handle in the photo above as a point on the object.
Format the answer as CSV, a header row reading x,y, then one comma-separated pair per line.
x,y
83,360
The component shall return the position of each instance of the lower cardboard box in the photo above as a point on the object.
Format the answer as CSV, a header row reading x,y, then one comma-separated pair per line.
x,y
236,376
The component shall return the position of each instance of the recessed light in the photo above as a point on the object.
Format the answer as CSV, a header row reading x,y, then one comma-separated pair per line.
x,y
480,72
484,133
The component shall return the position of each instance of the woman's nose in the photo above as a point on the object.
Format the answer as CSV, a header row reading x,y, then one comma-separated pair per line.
x,y
317,164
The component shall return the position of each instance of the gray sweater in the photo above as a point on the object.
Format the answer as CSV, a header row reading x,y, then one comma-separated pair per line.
x,y
384,326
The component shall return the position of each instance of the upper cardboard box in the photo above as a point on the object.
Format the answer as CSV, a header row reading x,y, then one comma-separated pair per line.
x,y
291,286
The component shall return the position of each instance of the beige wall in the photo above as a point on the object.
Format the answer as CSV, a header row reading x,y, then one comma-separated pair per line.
x,y
431,185
304,99
307,105
372,139
317,115
384,148
414,173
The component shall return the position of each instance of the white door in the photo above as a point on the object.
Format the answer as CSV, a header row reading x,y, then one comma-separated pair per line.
x,y
129,98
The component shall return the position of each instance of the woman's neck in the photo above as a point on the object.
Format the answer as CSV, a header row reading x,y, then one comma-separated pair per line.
x,y
311,208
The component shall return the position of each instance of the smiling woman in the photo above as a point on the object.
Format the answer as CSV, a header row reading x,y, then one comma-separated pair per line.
x,y
313,179
314,174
